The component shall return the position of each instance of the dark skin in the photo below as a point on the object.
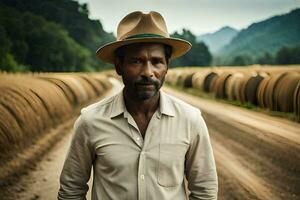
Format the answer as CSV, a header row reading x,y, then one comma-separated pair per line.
x,y
143,70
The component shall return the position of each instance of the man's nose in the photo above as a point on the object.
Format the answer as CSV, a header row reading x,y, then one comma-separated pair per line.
x,y
147,70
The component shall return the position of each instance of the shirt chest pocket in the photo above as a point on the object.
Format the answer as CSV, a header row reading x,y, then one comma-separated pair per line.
x,y
171,164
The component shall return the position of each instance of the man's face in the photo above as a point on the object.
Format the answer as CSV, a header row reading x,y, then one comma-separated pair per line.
x,y
143,70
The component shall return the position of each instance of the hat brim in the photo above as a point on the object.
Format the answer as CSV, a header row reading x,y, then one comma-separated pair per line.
x,y
179,47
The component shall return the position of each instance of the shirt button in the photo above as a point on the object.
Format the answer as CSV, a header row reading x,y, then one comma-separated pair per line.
x,y
138,138
142,177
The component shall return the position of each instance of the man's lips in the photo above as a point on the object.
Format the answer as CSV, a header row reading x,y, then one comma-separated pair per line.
x,y
146,86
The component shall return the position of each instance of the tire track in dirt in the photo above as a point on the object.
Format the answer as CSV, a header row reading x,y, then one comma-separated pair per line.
x,y
251,185
276,165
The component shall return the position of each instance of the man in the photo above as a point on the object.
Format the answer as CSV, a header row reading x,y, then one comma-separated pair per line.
x,y
141,143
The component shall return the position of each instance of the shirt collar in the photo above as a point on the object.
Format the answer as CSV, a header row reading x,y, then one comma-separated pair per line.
x,y
118,106
165,105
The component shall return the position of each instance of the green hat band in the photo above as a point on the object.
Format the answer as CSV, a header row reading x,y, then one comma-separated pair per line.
x,y
145,35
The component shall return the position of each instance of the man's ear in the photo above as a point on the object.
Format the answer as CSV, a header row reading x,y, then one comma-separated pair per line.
x,y
168,63
118,66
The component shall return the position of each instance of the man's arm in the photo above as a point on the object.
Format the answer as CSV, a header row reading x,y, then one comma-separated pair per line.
x,y
200,165
77,167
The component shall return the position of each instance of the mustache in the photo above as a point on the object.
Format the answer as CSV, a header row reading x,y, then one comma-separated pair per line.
x,y
146,81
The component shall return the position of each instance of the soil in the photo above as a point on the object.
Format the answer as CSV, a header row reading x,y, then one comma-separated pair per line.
x,y
257,155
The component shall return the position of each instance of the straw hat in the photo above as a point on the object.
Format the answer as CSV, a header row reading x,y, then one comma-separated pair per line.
x,y
138,27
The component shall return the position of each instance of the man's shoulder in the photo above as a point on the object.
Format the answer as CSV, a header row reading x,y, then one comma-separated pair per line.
x,y
182,108
188,114
101,108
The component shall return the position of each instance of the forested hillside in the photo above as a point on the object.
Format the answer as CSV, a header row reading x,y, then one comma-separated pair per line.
x,y
49,35
264,40
199,55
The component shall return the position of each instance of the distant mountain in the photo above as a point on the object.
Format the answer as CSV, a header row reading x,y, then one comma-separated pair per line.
x,y
267,36
215,41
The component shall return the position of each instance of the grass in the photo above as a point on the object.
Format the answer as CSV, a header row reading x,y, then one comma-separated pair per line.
x,y
249,106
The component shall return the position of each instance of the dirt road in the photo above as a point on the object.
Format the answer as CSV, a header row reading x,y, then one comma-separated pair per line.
x,y
258,156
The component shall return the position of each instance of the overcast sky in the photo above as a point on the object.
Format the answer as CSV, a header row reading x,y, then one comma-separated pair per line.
x,y
200,16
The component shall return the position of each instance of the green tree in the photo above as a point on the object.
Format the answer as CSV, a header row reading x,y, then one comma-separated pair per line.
x,y
288,55
73,17
8,63
30,40
199,55
7,60
267,58
5,43
241,60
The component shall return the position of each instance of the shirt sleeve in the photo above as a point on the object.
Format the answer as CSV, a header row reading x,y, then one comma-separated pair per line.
x,y
200,165
77,167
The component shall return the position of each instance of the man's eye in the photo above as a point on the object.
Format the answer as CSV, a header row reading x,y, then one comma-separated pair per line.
x,y
158,61
136,61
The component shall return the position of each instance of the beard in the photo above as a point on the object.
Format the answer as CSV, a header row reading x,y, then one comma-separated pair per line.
x,y
146,88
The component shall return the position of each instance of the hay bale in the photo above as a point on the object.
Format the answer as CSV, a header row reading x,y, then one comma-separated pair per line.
x,y
250,88
220,84
209,81
284,92
54,100
31,104
269,98
260,94
230,85
64,87
98,88
297,101
39,115
91,93
188,80
22,112
182,77
18,107
78,91
103,80
71,87
198,79
172,76
10,130
245,87
237,89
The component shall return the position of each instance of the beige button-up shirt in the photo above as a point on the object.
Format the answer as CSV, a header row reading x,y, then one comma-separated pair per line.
x,y
128,167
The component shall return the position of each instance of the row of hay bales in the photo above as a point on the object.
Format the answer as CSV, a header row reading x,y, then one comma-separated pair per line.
x,y
273,88
31,104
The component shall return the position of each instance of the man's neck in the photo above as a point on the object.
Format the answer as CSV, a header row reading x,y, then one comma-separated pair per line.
x,y
141,107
